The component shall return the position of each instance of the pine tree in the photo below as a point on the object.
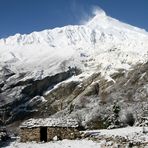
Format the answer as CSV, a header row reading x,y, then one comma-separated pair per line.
x,y
114,120
116,110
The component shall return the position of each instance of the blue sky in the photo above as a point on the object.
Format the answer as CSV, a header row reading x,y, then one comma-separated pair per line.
x,y
26,16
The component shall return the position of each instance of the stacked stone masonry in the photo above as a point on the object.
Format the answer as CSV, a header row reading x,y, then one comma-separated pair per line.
x,y
30,134
33,134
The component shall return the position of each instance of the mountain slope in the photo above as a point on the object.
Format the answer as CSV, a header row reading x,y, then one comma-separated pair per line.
x,y
33,65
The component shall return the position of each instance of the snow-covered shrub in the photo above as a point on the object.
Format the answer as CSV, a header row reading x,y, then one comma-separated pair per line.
x,y
130,120
97,123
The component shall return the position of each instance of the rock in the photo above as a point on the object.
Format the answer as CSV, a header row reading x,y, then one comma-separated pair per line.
x,y
55,138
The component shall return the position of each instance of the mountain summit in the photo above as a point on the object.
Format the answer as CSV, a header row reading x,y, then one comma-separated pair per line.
x,y
103,21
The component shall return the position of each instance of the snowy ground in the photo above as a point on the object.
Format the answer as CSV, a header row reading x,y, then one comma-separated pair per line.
x,y
57,144
131,133
134,134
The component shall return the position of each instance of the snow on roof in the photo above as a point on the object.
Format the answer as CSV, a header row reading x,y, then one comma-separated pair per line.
x,y
50,122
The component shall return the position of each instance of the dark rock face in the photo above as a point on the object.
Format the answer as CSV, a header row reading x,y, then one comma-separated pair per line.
x,y
61,97
15,95
39,86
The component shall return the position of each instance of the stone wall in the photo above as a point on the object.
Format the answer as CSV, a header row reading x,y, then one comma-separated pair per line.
x,y
62,133
30,134
33,134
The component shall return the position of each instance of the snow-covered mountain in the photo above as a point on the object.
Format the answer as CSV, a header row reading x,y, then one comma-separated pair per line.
x,y
34,66
102,42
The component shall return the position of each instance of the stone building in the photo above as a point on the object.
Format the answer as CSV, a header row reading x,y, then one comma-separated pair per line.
x,y
48,129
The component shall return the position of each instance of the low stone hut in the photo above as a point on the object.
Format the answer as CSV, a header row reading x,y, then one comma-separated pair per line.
x,y
49,128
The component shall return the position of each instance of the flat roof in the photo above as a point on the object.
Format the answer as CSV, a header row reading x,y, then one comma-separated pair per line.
x,y
50,122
